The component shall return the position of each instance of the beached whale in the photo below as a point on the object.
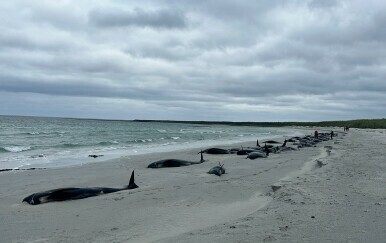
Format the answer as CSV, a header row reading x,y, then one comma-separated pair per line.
x,y
234,150
255,155
216,151
72,193
173,163
268,146
217,170
95,155
246,151
268,149
286,149
271,141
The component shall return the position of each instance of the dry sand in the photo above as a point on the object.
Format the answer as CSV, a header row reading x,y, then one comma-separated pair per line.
x,y
322,196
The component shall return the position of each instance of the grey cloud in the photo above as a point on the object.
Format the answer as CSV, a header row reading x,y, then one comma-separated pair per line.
x,y
242,10
170,53
11,41
245,60
69,87
59,15
20,41
60,86
323,3
337,30
164,18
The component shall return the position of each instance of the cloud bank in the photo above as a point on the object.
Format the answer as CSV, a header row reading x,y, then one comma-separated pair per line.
x,y
194,60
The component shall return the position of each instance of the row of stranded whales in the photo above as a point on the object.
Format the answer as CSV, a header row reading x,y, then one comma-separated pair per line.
x,y
264,151
73,193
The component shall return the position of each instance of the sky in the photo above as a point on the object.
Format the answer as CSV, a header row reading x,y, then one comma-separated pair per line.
x,y
244,60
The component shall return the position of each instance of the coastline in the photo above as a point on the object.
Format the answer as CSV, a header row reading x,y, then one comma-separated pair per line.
x,y
184,204
35,149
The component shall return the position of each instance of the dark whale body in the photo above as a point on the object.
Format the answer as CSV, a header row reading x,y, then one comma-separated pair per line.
x,y
216,151
217,170
173,163
73,193
246,151
255,155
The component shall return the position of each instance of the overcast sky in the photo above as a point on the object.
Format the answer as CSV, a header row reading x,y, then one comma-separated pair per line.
x,y
243,60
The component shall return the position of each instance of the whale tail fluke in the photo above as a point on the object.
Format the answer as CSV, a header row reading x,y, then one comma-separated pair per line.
x,y
132,184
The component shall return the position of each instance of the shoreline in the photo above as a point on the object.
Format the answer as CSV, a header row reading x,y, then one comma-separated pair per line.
x,y
106,156
183,204
64,158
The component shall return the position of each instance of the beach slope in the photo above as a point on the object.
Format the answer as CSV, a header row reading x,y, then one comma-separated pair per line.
x,y
334,192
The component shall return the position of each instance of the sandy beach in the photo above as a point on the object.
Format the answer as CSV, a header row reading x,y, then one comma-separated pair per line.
x,y
334,192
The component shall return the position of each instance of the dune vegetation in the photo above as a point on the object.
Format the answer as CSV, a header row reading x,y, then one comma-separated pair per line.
x,y
360,123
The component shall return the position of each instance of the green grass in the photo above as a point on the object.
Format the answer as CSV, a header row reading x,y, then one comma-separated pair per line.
x,y
362,123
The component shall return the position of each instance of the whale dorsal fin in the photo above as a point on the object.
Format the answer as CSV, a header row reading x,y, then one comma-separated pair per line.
x,y
202,157
132,184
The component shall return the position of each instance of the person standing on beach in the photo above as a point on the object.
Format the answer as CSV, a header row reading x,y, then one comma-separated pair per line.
x,y
316,134
332,134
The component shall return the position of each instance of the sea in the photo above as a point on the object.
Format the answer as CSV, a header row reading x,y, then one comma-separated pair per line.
x,y
42,142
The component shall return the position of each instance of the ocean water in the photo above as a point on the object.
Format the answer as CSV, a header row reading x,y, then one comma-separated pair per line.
x,y
41,142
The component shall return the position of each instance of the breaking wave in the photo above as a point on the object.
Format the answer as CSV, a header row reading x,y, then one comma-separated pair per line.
x,y
14,149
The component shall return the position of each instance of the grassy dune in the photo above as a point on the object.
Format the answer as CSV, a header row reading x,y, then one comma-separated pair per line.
x,y
362,123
